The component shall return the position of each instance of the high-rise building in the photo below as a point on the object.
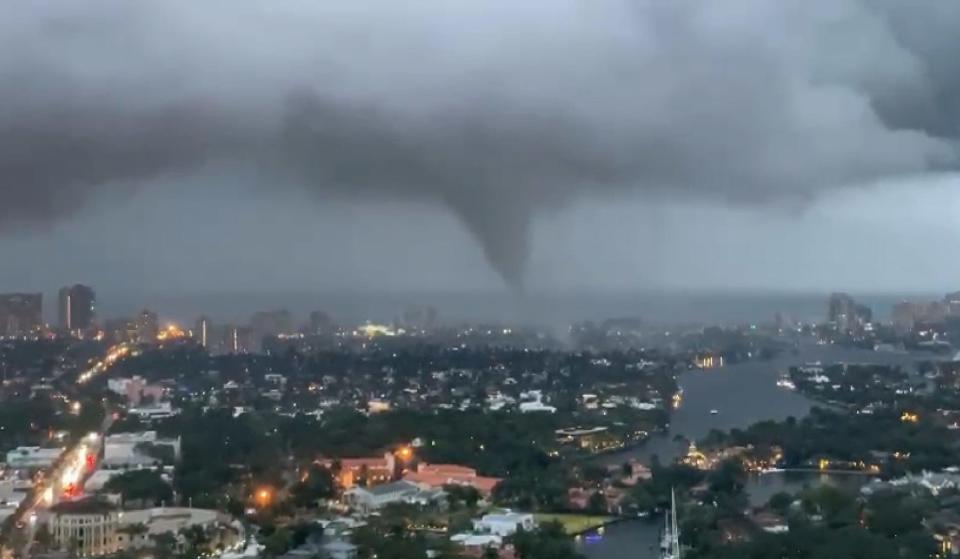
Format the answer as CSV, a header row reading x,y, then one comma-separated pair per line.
x,y
320,323
270,323
239,339
203,332
904,316
77,308
951,302
21,314
846,315
148,326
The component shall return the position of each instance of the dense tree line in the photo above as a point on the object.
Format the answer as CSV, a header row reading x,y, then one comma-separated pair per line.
x,y
850,437
141,488
219,449
824,523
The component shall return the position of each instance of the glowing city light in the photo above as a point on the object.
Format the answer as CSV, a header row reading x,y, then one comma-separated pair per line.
x,y
171,332
909,417
264,496
405,453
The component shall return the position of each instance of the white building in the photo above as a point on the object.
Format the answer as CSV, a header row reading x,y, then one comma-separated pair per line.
x,y
498,401
481,541
158,410
95,527
87,527
26,457
369,499
532,401
125,449
504,524
537,406
163,520
378,406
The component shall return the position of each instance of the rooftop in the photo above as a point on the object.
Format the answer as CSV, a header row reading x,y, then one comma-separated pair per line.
x,y
89,505
447,469
142,436
506,516
390,488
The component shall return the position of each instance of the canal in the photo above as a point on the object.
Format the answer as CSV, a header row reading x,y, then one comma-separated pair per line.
x,y
742,394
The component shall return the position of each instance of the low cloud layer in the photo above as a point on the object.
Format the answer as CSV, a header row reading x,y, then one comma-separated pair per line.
x,y
495,110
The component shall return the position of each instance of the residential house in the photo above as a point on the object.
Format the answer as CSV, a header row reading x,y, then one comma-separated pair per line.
x,y
438,475
504,524
372,471
370,499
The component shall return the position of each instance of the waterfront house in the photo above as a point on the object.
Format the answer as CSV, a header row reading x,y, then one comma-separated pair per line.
x,y
504,524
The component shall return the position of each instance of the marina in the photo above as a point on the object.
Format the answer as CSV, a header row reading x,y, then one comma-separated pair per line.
x,y
748,392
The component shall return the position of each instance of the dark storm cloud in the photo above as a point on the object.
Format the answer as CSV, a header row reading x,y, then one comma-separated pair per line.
x,y
929,31
50,160
496,110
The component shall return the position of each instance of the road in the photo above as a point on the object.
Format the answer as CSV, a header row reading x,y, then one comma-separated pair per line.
x,y
114,354
66,475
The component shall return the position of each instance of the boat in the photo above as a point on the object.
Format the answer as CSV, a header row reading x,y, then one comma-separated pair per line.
x,y
670,542
785,382
714,412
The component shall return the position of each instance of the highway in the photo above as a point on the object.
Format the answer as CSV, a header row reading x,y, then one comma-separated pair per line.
x,y
114,354
64,480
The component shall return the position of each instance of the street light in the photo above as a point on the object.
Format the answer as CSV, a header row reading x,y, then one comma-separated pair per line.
x,y
263,497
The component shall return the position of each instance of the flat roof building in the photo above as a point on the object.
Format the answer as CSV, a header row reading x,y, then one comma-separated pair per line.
x,y
27,457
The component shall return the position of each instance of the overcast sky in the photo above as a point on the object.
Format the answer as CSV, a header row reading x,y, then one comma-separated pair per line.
x,y
184,146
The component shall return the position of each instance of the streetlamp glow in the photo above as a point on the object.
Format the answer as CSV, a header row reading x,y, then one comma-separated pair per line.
x,y
263,497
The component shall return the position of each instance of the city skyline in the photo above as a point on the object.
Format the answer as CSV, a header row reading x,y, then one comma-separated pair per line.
x,y
550,279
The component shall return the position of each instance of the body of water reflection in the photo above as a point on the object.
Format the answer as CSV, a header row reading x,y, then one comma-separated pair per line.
x,y
743,394
638,539
634,539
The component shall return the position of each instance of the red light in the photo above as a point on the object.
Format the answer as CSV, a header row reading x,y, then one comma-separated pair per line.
x,y
91,461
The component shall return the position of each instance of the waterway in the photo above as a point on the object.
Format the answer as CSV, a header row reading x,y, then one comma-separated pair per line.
x,y
742,394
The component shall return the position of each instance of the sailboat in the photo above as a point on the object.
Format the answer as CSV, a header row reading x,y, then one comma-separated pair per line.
x,y
670,542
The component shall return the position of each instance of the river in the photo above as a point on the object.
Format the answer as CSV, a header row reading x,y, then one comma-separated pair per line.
x,y
742,394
